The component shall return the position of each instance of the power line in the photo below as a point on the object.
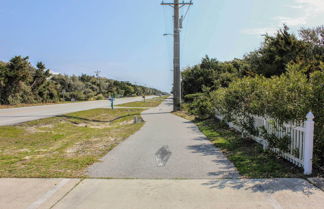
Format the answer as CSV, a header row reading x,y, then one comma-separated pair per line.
x,y
166,20
185,32
188,8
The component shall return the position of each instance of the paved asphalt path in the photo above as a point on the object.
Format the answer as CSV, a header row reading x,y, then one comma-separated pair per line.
x,y
167,146
12,116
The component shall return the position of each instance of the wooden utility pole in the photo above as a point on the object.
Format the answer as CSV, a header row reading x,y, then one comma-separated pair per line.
x,y
176,58
176,52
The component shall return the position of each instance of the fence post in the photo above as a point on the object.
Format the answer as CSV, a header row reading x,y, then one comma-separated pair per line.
x,y
309,140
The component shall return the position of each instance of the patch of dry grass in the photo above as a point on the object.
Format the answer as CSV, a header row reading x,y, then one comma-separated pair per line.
x,y
184,114
63,146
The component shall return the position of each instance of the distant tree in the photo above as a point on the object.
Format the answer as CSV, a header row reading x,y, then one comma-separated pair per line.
x,y
313,35
314,57
210,74
20,82
41,74
209,63
193,79
276,52
16,76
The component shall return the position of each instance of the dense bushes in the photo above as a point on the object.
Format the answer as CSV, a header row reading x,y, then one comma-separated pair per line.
x,y
20,82
284,80
201,104
211,74
288,97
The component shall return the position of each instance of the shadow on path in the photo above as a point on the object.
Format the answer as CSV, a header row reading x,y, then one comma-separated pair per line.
x,y
264,185
225,169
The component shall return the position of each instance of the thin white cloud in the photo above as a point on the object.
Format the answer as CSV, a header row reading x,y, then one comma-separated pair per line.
x,y
290,21
54,73
308,11
259,31
295,6
314,6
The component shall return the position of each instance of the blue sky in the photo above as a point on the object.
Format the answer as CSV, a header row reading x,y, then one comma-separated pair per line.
x,y
123,39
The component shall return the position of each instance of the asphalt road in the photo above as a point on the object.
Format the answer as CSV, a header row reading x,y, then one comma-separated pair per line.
x,y
167,146
12,116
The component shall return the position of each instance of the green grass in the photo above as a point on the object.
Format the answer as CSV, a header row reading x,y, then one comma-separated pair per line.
x,y
148,103
63,146
184,113
248,156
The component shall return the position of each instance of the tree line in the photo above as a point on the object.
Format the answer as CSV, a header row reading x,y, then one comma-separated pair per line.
x,y
283,79
21,82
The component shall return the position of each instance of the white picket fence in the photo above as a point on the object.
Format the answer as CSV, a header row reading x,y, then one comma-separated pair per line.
x,y
301,139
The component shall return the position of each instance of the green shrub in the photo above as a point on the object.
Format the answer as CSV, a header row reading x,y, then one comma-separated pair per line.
x,y
283,80
317,106
191,97
202,105
288,97
100,97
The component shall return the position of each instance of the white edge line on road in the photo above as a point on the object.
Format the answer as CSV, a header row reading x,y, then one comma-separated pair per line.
x,y
48,194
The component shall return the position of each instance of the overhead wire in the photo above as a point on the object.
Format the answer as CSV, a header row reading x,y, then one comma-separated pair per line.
x,y
188,8
167,30
183,42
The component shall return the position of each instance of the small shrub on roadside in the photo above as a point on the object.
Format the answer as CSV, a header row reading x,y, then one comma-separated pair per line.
x,y
202,106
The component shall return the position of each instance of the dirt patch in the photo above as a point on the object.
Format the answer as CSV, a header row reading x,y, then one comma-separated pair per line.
x,y
46,126
100,126
90,146
27,157
38,129
24,150
91,125
33,130
42,150
127,122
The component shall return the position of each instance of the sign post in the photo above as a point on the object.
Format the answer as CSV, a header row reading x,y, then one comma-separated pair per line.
x,y
111,99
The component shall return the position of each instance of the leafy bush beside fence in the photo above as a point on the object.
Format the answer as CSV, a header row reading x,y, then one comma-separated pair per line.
x,y
283,80
287,98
